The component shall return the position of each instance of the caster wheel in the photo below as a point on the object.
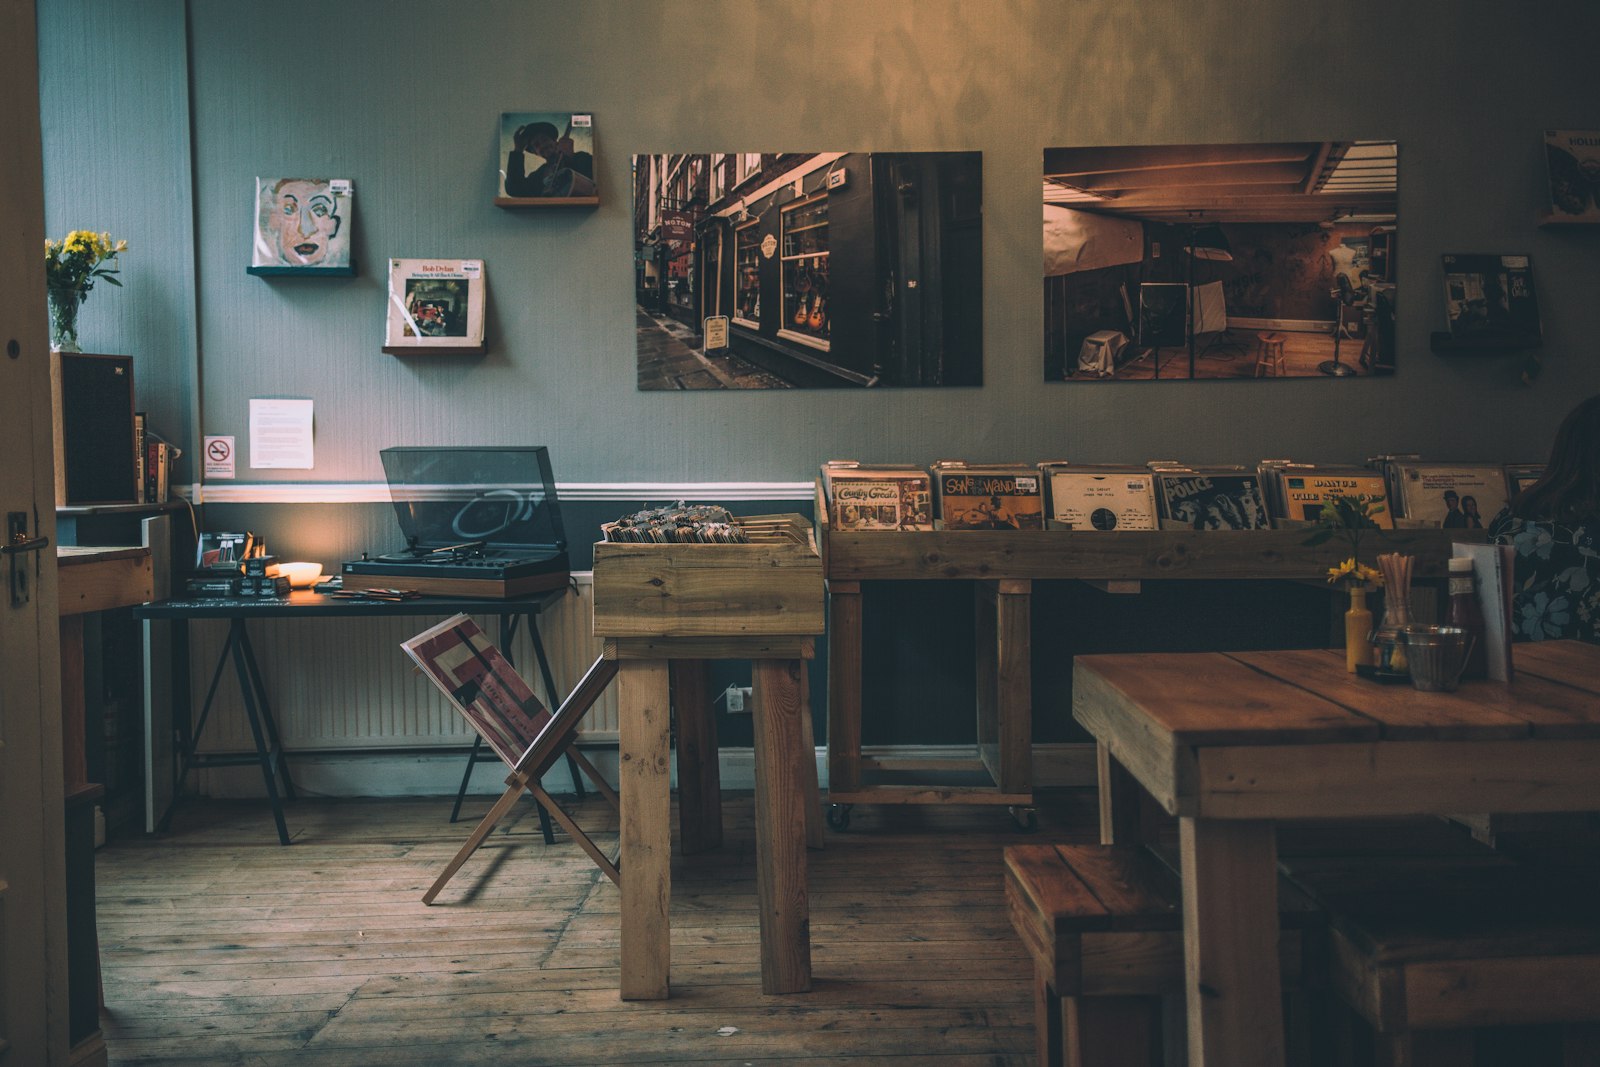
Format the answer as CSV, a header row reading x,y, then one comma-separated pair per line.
x,y
1027,819
839,816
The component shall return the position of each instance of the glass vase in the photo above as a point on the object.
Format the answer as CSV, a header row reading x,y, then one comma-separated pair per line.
x,y
64,304
1357,630
1389,652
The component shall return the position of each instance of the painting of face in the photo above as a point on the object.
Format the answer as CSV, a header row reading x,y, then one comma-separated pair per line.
x,y
300,223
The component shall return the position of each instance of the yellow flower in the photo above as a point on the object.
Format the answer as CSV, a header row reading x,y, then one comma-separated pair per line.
x,y
1352,573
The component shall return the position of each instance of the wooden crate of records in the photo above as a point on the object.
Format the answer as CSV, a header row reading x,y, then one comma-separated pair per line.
x,y
769,586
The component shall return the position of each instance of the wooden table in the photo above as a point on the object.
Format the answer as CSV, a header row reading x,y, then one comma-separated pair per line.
x,y
90,580
1231,742
1002,566
788,808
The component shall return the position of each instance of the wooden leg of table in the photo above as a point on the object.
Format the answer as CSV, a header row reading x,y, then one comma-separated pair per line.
x,y
1005,682
780,828
844,687
1230,943
1125,815
74,728
1014,695
1047,1019
699,778
815,836
644,783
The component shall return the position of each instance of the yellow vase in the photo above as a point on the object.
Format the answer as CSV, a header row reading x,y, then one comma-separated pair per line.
x,y
1357,628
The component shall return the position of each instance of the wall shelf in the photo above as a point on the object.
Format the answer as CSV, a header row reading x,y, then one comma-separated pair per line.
x,y
1445,342
547,201
437,350
1551,218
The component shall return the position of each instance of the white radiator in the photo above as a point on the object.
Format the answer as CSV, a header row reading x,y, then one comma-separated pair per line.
x,y
340,684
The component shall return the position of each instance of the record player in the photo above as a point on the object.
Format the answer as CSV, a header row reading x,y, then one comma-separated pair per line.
x,y
477,522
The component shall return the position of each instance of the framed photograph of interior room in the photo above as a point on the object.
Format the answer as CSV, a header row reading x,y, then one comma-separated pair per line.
x,y
546,160
436,305
302,226
1220,261
832,269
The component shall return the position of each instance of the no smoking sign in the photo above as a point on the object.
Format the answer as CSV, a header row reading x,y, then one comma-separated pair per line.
x,y
219,456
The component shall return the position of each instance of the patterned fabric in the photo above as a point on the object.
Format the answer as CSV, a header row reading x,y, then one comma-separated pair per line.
x,y
1556,579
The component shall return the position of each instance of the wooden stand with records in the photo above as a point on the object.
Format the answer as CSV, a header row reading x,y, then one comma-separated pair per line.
x,y
1003,565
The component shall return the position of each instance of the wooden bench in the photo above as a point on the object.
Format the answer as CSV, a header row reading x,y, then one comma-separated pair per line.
x,y
1426,947
1104,925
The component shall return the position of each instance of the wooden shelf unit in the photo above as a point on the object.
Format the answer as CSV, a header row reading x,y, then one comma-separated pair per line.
x,y
1003,565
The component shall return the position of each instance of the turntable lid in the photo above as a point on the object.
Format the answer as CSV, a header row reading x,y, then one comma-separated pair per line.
x,y
502,494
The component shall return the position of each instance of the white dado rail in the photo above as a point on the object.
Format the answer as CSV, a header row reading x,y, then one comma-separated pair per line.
x,y
378,492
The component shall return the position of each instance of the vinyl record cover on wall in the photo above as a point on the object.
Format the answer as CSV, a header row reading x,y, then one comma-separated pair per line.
x,y
436,305
302,226
1573,158
547,158
1281,256
830,269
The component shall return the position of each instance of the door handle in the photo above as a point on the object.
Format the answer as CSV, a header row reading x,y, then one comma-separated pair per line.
x,y
17,544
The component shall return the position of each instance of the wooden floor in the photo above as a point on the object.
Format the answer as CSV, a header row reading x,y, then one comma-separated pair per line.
x,y
220,947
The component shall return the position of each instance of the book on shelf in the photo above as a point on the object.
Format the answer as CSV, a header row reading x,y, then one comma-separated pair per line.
x,y
1003,496
1098,497
1572,158
1492,580
1491,297
865,496
1297,491
1211,498
139,496
1451,496
158,463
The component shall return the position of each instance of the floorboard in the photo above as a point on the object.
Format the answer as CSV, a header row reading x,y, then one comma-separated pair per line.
x,y
219,947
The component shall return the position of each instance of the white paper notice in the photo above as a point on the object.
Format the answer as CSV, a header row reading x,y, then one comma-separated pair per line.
x,y
280,434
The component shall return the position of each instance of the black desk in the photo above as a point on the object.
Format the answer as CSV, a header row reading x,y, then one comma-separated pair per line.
x,y
269,752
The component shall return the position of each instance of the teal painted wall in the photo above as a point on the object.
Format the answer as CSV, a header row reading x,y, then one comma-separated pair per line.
x,y
114,108
403,98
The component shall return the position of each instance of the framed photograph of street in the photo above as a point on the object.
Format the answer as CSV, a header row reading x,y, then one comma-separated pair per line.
x,y
803,270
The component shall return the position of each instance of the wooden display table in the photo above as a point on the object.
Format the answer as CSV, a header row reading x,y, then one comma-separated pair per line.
x,y
1003,565
664,609
1231,743
89,580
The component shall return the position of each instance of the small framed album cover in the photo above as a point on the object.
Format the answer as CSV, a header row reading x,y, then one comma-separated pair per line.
x,y
546,160
436,305
302,226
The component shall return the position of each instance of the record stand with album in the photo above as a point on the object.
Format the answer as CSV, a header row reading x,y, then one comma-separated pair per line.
x,y
477,521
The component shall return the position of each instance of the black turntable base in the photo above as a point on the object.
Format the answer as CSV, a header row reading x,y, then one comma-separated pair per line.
x,y
471,569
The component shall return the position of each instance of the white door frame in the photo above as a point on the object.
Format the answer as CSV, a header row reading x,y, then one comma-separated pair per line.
x,y
33,918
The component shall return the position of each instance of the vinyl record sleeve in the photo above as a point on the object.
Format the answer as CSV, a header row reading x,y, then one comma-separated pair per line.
x,y
1001,497
1202,499
864,497
1460,496
435,303
1100,498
